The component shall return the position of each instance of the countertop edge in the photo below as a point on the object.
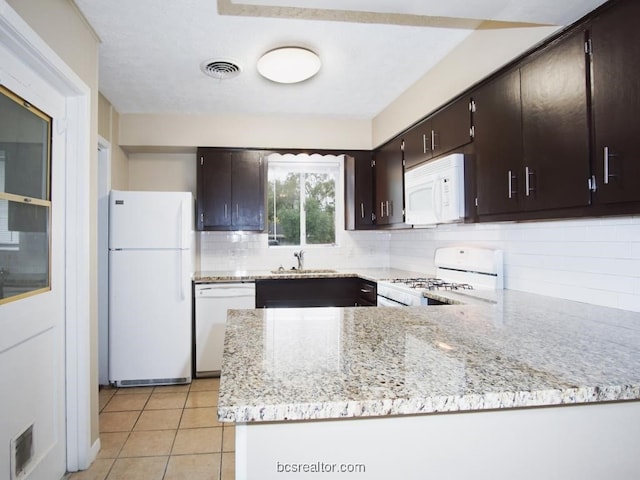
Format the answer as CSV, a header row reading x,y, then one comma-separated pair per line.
x,y
432,405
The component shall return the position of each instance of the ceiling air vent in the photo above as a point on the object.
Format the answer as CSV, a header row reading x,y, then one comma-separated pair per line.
x,y
221,69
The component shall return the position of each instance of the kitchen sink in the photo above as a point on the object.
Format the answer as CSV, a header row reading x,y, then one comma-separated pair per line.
x,y
302,272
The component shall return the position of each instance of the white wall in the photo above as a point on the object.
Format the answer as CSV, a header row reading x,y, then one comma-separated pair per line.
x,y
589,260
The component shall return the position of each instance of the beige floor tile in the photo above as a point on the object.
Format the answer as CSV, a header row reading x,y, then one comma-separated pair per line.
x,y
169,400
205,384
202,399
159,419
171,388
198,440
118,421
200,417
104,396
122,403
193,467
111,443
148,468
229,439
98,470
148,443
133,390
228,466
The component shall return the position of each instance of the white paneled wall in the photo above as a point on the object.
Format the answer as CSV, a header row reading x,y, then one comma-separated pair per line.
x,y
250,251
594,260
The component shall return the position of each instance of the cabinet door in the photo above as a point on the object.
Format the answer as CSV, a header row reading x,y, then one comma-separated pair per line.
x,y
417,144
498,144
615,41
389,179
214,189
451,127
247,190
359,212
555,126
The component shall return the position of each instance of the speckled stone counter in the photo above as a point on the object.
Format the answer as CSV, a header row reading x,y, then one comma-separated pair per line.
x,y
374,274
524,350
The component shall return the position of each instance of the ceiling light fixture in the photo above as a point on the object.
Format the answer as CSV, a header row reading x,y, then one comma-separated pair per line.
x,y
289,64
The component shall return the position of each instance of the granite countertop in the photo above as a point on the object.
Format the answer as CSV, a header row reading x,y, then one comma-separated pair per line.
x,y
374,274
524,350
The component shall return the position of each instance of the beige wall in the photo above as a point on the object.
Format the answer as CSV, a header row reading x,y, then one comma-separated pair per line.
x,y
155,132
171,172
63,28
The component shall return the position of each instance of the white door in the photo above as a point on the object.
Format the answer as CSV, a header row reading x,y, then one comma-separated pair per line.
x,y
32,330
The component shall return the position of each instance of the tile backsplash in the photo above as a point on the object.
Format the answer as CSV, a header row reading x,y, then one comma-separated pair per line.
x,y
250,251
589,260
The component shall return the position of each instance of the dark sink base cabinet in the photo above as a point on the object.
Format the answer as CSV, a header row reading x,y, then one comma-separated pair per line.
x,y
315,292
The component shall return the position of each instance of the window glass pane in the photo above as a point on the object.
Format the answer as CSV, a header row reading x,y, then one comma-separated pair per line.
x,y
24,141
320,206
284,207
24,264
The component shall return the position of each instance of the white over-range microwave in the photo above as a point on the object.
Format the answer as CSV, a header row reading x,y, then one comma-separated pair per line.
x,y
434,191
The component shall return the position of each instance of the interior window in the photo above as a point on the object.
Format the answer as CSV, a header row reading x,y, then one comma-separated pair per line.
x,y
302,199
25,203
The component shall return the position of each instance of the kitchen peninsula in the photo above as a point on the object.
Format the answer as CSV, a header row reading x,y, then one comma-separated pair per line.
x,y
527,387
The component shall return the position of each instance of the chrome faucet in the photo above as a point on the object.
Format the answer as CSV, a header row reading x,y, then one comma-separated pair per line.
x,y
300,256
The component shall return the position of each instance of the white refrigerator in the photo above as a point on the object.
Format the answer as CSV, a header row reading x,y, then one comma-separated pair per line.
x,y
151,264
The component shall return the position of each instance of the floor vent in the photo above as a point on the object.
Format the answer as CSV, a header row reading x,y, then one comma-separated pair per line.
x,y
21,453
153,381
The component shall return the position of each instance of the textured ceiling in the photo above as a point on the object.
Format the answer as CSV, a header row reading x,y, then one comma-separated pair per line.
x,y
152,50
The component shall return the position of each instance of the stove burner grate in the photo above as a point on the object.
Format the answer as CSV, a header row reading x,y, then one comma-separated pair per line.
x,y
432,284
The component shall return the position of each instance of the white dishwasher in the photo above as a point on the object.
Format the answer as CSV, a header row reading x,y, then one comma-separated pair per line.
x,y
212,302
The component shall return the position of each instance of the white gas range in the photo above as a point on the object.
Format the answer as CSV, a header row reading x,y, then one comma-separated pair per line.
x,y
460,272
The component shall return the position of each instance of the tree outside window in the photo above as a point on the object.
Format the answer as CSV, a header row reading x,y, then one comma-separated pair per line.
x,y
302,199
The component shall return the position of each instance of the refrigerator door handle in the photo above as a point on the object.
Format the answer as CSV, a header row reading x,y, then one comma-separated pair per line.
x,y
181,270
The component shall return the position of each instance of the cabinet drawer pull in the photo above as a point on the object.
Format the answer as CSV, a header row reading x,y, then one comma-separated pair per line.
x,y
510,178
362,210
366,290
528,173
225,210
381,209
607,174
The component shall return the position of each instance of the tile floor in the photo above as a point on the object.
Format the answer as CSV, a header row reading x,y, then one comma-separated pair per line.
x,y
162,433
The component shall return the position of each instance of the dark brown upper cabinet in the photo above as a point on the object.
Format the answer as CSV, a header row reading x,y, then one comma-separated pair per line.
x,y
442,132
555,126
359,195
230,189
389,184
497,121
615,47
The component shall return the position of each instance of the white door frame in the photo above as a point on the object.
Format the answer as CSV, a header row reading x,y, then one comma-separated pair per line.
x,y
37,56
104,185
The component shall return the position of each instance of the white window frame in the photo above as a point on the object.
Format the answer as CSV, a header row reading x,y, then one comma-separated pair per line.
x,y
299,162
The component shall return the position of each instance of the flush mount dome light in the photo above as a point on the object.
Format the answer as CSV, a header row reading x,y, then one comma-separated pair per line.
x,y
289,64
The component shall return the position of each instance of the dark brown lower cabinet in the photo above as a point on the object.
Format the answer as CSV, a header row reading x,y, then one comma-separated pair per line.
x,y
314,292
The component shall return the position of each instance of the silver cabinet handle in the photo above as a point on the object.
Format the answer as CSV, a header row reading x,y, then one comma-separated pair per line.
x,y
389,214
424,143
433,140
510,178
366,290
225,210
237,211
528,173
381,209
362,210
607,174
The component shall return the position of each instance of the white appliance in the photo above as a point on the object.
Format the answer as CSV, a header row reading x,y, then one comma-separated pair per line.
x,y
212,302
463,271
434,191
151,263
